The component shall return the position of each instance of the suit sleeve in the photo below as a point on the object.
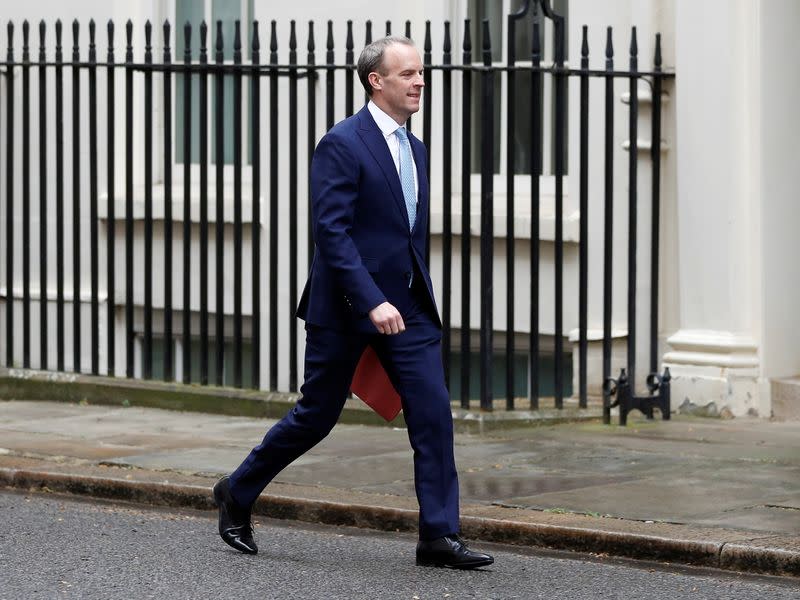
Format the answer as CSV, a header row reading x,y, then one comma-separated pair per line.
x,y
334,195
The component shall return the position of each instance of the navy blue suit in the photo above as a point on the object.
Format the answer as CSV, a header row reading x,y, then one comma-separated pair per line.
x,y
366,255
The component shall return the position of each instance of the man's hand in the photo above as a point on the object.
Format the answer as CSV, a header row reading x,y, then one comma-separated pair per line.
x,y
387,319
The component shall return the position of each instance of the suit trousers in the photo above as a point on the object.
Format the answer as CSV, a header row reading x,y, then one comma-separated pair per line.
x,y
413,362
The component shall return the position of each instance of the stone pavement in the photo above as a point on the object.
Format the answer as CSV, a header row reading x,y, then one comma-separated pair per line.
x,y
724,493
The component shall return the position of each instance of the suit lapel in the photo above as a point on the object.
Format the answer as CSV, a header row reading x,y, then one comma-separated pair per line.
x,y
373,138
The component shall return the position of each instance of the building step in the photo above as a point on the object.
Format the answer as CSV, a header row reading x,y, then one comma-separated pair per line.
x,y
786,398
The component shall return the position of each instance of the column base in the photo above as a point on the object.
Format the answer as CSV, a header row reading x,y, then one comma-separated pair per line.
x,y
716,373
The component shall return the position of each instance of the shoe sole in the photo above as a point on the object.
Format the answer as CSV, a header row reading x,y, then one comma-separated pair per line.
x,y
462,566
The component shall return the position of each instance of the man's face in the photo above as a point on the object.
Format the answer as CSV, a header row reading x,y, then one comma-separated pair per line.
x,y
397,88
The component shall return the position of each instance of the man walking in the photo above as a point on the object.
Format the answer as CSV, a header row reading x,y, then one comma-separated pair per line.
x,y
369,285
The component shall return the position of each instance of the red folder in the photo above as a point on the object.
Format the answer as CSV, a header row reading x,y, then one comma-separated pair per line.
x,y
372,385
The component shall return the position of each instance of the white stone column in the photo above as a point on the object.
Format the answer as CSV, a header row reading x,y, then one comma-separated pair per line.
x,y
714,356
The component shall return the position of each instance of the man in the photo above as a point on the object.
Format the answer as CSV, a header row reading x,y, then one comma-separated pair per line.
x,y
369,286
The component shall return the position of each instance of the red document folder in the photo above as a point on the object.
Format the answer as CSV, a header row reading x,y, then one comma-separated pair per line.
x,y
372,385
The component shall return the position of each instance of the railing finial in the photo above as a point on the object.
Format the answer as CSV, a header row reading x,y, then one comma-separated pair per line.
x,y
187,40
273,42
25,31
218,46
42,29
237,36
75,32
329,42
203,38
585,42
427,44
657,59
167,29
487,43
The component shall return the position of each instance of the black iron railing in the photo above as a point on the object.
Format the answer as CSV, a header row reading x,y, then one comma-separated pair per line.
x,y
319,78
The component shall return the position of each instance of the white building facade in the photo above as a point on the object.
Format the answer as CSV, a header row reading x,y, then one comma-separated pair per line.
x,y
730,279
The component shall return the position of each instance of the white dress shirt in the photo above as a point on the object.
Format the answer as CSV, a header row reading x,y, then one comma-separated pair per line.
x,y
388,126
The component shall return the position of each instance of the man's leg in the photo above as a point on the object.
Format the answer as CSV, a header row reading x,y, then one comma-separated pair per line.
x,y
330,361
413,362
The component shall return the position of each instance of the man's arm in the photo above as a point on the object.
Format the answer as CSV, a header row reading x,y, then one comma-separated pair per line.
x,y
334,192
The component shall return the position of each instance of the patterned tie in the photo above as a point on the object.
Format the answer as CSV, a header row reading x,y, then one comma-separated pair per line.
x,y
407,175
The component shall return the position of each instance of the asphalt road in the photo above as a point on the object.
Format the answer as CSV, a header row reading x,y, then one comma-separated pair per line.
x,y
57,547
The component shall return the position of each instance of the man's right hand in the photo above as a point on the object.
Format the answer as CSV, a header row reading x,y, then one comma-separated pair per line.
x,y
387,319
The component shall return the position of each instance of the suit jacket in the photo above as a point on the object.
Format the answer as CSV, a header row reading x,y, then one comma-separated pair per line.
x,y
365,254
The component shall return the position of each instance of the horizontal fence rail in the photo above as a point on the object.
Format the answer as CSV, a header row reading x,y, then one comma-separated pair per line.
x,y
209,125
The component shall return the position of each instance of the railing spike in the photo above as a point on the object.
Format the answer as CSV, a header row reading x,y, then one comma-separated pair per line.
x,y
467,43
75,32
368,38
129,37
388,28
487,41
42,29
609,44
292,35
348,44
585,42
256,39
273,42
167,29
110,30
329,42
218,45
25,31
92,49
311,45
427,44
237,36
187,39
446,44
657,59
634,45
203,37
536,44
408,29
148,34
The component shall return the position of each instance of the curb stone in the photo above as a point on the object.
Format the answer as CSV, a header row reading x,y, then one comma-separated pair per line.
x,y
758,557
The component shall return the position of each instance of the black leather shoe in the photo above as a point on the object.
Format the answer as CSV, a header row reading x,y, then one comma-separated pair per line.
x,y
235,527
450,551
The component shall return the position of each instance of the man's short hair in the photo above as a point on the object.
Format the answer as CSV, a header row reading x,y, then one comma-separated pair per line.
x,y
371,58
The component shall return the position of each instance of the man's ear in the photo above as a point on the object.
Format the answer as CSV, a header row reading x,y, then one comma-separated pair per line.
x,y
374,80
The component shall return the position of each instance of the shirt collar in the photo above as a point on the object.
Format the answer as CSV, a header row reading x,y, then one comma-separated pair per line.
x,y
385,123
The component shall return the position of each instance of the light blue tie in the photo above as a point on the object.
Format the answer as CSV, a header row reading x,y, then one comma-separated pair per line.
x,y
407,175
